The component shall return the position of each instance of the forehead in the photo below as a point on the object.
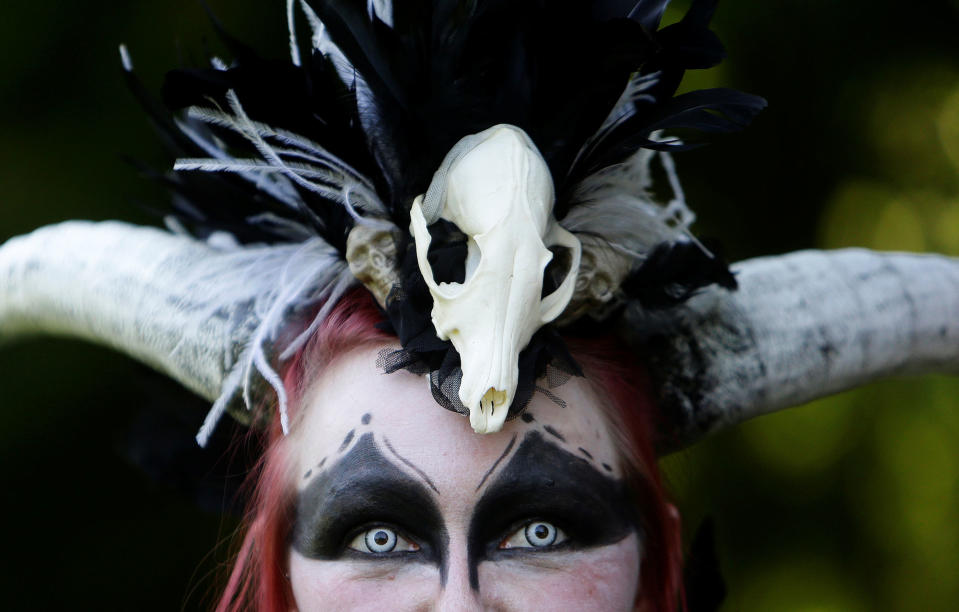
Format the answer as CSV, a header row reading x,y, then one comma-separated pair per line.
x,y
352,397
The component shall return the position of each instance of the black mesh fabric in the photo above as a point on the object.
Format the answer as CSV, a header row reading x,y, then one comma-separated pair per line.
x,y
546,358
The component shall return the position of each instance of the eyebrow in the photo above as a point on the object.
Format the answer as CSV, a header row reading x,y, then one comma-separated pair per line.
x,y
544,481
365,488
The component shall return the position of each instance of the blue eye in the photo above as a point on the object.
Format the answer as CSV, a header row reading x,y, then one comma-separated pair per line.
x,y
381,539
541,534
534,534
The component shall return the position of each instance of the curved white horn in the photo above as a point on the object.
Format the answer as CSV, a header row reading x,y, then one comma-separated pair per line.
x,y
121,286
206,316
802,326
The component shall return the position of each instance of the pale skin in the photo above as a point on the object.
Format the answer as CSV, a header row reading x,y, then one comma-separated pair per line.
x,y
401,506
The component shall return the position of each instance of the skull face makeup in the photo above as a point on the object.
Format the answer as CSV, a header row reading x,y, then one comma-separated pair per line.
x,y
395,515
496,188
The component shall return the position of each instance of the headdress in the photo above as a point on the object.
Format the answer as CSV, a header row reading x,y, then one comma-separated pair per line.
x,y
486,170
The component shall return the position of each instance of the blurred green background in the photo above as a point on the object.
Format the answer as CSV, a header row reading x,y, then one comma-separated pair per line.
x,y
851,503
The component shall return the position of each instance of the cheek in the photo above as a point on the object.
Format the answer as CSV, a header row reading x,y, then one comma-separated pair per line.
x,y
320,586
600,579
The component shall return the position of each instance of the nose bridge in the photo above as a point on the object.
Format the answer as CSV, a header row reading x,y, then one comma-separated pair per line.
x,y
457,593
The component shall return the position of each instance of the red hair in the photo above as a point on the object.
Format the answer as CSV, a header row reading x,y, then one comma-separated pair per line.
x,y
259,581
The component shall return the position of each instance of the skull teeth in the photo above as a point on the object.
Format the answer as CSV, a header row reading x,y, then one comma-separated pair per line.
x,y
492,399
491,412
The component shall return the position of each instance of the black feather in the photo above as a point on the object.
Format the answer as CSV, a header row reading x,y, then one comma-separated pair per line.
x,y
442,70
449,68
674,272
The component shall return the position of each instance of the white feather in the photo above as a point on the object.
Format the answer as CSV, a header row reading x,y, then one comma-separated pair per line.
x,y
212,316
125,59
291,25
615,205
301,161
278,186
295,232
383,9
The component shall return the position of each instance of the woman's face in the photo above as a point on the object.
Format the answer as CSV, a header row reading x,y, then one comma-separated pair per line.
x,y
401,506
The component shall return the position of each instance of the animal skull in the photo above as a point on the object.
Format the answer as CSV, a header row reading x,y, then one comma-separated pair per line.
x,y
371,255
497,190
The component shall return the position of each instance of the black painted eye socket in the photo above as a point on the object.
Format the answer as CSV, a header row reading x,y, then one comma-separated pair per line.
x,y
534,534
381,539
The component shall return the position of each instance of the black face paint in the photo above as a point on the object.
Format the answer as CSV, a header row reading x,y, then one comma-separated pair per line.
x,y
552,431
347,440
540,482
545,482
527,417
588,454
502,456
366,418
361,490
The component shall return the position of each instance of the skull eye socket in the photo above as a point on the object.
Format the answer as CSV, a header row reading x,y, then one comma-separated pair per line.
x,y
447,252
557,269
